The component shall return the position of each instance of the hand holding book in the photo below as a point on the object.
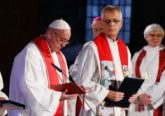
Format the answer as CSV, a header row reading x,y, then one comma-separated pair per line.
x,y
72,88
129,87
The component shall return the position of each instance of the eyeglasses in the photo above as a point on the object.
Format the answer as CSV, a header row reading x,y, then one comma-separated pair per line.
x,y
155,35
60,39
108,21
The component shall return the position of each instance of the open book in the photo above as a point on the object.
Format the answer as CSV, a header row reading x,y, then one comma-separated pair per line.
x,y
129,86
11,105
72,88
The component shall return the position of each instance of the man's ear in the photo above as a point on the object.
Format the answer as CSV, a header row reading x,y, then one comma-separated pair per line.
x,y
50,33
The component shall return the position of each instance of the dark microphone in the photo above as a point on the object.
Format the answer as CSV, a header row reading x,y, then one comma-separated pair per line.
x,y
108,70
56,67
60,70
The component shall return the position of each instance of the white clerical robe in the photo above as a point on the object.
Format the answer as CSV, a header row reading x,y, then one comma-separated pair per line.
x,y
86,71
148,70
3,111
29,84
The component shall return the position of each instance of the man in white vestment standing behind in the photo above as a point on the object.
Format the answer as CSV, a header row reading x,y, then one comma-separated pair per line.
x,y
104,58
33,74
97,26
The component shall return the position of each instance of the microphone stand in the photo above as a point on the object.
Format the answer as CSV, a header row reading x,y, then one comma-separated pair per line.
x,y
71,79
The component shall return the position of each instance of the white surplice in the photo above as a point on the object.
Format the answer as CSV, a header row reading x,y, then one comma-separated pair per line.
x,y
148,70
87,72
3,111
29,84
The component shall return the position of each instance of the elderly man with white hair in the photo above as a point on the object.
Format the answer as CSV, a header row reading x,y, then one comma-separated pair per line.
x,y
103,59
149,64
33,75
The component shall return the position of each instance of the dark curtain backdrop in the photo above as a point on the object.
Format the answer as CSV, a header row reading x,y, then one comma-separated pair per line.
x,y
145,12
21,21
18,25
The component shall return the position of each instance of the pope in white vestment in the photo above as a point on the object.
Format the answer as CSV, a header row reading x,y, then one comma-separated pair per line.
x,y
29,80
31,75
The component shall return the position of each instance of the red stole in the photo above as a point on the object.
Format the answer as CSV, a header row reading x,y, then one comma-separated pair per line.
x,y
158,111
52,74
138,62
105,52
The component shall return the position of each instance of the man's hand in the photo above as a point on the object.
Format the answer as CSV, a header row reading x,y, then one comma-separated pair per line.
x,y
133,98
66,96
141,101
144,99
115,96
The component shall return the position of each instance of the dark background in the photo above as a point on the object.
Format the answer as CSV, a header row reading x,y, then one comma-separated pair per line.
x,y
23,20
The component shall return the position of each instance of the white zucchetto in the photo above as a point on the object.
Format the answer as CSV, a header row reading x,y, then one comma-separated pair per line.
x,y
59,24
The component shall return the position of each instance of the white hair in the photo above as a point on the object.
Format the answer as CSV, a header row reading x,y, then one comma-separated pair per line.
x,y
111,8
153,27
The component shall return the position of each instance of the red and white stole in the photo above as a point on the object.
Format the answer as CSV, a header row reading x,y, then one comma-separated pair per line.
x,y
105,52
52,74
158,111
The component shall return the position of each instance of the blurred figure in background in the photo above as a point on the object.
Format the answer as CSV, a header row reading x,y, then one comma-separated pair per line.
x,y
97,26
149,64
